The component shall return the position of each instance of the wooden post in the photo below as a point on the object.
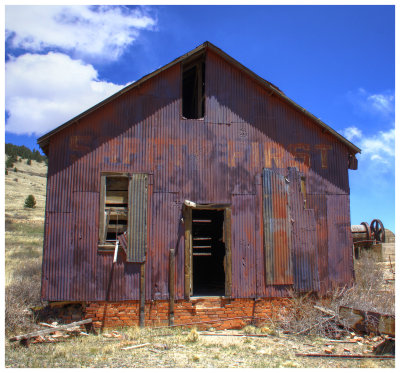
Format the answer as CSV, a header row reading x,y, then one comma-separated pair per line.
x,y
171,286
142,294
187,213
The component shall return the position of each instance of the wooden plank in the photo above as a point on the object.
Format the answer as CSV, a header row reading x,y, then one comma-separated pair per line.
x,y
136,346
120,215
101,209
49,331
105,229
187,215
116,197
325,310
367,321
113,228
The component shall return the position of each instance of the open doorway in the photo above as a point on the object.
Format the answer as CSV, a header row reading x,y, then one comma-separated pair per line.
x,y
208,251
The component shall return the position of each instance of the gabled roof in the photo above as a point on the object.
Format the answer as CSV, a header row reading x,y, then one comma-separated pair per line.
x,y
44,140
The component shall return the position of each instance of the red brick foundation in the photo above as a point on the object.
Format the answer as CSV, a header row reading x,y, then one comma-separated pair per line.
x,y
210,311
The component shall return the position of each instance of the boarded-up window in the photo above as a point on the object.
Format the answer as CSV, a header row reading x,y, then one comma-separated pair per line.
x,y
123,214
277,236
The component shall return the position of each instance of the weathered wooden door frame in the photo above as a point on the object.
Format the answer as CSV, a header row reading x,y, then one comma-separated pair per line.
x,y
187,216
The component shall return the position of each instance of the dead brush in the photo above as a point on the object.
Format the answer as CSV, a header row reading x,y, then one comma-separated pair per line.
x,y
370,291
301,317
22,293
193,336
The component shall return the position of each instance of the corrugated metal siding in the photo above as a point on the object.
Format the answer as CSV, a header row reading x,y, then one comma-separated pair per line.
x,y
137,219
277,234
167,232
304,239
56,269
317,203
243,246
85,233
245,129
340,256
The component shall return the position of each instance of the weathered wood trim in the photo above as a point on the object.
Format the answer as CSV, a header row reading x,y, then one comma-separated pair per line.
x,y
102,216
187,216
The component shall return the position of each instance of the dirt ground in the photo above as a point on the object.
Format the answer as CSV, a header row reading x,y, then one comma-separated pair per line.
x,y
179,348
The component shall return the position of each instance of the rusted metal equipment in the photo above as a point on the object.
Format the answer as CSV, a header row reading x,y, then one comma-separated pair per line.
x,y
377,230
365,235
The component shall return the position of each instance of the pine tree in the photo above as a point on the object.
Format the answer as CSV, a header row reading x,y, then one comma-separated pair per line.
x,y
30,202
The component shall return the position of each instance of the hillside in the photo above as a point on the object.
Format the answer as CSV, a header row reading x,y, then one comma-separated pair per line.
x,y
29,179
23,241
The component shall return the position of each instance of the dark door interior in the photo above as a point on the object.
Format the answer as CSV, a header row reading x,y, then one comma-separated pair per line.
x,y
208,252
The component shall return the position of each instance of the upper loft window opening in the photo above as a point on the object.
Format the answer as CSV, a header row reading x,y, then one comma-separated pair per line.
x,y
193,82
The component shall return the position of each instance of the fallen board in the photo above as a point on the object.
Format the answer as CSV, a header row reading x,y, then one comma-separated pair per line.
x,y
367,321
49,330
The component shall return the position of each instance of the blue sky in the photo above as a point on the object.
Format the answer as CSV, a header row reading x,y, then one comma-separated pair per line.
x,y
338,62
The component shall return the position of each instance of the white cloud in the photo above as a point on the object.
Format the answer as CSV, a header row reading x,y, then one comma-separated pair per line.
x,y
44,91
352,133
373,103
378,149
382,103
102,31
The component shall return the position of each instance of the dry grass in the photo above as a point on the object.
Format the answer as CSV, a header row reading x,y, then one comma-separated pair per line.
x,y
23,244
18,185
370,291
171,348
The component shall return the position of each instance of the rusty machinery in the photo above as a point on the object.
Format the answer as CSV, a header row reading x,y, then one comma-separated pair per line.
x,y
365,235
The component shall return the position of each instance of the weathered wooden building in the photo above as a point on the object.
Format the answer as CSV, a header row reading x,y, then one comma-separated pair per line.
x,y
206,159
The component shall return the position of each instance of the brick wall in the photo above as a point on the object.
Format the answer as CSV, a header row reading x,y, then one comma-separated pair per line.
x,y
117,314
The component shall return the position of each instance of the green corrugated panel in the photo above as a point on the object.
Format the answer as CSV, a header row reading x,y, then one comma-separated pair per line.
x,y
137,222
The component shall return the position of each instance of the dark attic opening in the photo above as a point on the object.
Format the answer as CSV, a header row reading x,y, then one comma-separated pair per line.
x,y
208,252
193,83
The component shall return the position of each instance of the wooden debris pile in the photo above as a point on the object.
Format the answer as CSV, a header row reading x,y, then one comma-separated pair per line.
x,y
374,338
55,332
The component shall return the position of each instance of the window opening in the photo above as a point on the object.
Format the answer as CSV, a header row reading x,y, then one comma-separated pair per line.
x,y
208,252
115,209
193,84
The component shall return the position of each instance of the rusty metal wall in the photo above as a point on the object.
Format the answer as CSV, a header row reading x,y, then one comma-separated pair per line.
x,y
304,237
218,159
243,246
339,237
277,229
137,216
